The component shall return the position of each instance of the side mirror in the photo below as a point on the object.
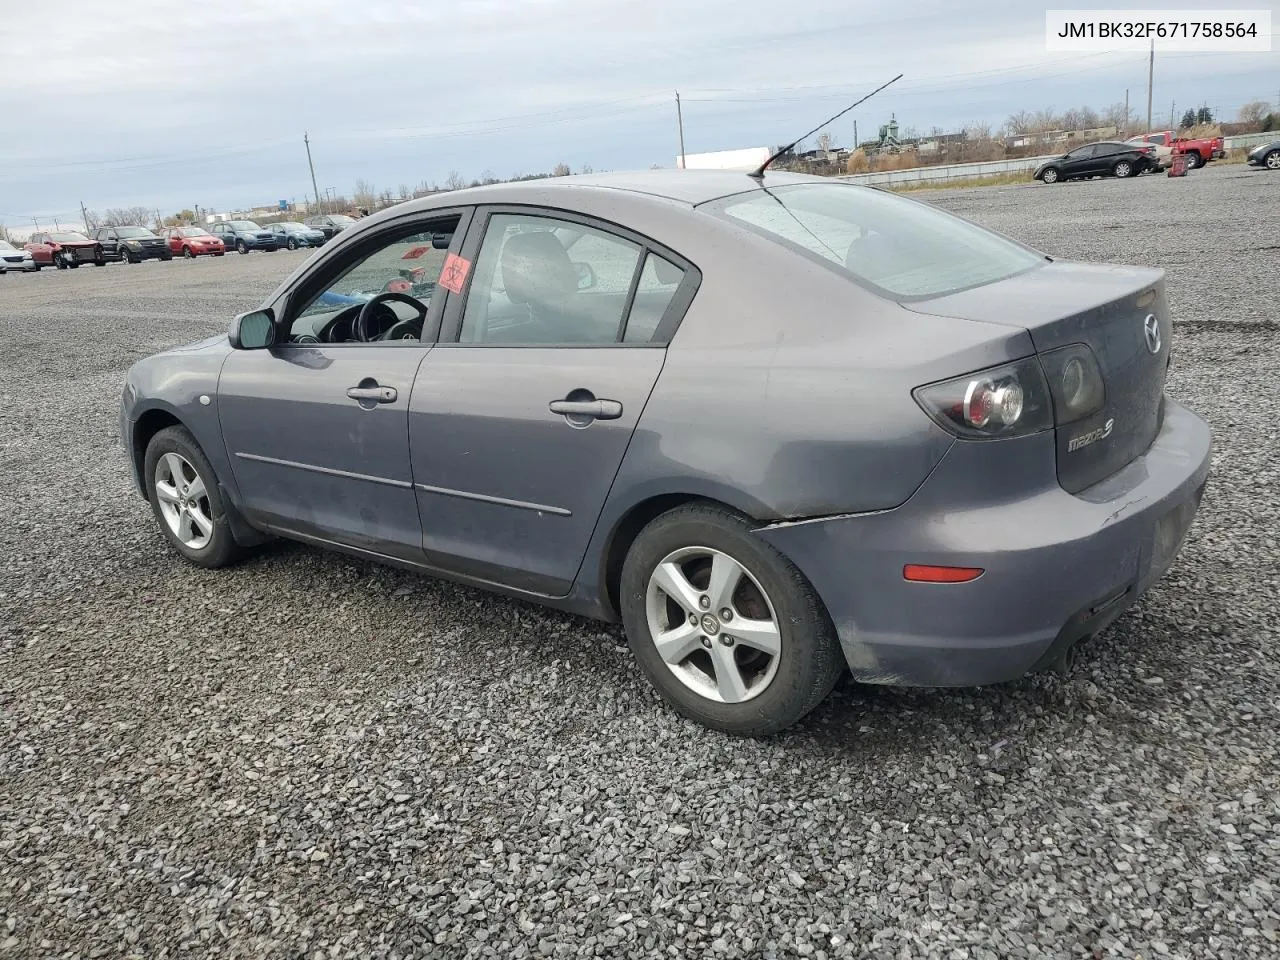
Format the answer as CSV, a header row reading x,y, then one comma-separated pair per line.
x,y
586,276
255,330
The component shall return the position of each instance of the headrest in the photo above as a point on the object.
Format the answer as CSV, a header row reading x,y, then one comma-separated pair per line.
x,y
536,268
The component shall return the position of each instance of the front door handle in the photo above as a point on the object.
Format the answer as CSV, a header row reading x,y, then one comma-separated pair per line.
x,y
376,394
595,409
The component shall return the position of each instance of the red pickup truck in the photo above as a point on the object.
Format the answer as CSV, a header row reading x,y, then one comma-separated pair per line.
x,y
1199,150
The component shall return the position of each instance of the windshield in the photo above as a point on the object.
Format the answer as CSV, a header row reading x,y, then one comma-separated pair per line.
x,y
69,238
244,225
291,227
6,245
193,232
130,233
900,247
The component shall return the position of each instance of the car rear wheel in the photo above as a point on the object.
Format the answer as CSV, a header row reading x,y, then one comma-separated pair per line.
x,y
1123,169
186,501
1050,175
724,626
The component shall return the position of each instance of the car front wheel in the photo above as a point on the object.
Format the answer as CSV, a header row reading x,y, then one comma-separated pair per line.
x,y
1193,160
242,247
1050,176
186,501
724,626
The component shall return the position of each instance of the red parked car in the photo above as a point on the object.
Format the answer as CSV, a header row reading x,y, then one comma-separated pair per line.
x,y
195,242
63,249
1199,150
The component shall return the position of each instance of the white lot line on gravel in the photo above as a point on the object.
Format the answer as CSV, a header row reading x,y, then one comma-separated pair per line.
x,y
313,757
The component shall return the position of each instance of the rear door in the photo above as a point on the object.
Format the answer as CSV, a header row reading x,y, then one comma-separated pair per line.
x,y
521,416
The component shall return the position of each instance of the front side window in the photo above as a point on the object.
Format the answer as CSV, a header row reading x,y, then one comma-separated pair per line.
x,y
544,281
901,248
402,263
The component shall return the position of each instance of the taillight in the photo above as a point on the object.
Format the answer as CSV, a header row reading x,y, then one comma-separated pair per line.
x,y
1007,401
1075,382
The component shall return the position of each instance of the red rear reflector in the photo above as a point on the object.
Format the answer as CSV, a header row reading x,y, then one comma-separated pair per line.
x,y
925,573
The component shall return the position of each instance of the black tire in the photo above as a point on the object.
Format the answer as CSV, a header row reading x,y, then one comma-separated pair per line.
x,y
1051,175
810,661
165,258
221,254
222,549
1193,160
73,264
293,244
187,254
1272,160
242,247
60,261
125,255
1123,168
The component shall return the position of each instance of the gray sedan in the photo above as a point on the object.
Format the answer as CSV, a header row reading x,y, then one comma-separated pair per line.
x,y
779,429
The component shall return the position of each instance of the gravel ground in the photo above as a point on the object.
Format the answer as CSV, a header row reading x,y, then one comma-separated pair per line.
x,y
313,757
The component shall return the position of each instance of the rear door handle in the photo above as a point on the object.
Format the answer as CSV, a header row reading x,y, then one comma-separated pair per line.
x,y
596,409
379,394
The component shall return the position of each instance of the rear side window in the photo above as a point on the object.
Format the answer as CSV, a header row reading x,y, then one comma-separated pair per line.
x,y
903,249
659,281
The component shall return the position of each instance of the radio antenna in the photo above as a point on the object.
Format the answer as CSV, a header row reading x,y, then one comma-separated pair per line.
x,y
758,173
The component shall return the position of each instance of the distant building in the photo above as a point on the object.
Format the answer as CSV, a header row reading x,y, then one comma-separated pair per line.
x,y
746,159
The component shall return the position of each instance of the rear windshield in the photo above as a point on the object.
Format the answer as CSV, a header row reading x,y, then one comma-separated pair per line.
x,y
902,248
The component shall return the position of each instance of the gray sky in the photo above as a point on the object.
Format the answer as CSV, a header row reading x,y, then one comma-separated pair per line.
x,y
163,104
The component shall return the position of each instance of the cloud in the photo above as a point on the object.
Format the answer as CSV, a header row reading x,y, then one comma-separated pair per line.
x,y
168,104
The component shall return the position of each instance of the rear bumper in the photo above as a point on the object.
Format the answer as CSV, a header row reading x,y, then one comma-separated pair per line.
x,y
1057,566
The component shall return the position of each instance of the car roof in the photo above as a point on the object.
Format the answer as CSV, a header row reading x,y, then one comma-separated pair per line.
x,y
686,187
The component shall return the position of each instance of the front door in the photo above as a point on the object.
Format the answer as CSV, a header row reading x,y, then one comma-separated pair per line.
x,y
316,427
521,416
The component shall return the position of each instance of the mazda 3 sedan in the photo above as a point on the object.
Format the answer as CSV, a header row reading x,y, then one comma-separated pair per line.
x,y
778,427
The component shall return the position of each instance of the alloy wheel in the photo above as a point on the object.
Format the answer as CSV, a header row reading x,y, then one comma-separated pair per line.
x,y
713,624
1273,160
1050,176
184,501
1123,169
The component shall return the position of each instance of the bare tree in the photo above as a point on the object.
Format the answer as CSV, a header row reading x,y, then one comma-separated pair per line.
x,y
561,170
1115,116
366,194
1254,112
127,217
1019,123
4,234
454,181
1089,118
978,131
1042,121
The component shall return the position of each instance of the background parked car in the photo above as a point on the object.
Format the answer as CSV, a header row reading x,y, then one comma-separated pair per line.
x,y
1198,150
12,258
1163,152
194,242
295,235
330,223
131,244
1267,155
1106,158
63,249
244,235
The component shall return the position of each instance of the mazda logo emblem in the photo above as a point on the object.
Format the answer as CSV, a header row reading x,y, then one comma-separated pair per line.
x,y
1151,330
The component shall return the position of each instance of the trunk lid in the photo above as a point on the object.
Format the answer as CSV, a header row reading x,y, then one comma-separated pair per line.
x,y
1108,309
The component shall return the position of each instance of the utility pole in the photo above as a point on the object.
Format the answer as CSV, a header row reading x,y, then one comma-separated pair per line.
x,y
1151,73
1173,107
85,213
855,135
1125,128
312,166
680,125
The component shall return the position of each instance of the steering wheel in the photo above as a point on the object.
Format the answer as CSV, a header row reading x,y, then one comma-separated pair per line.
x,y
360,329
